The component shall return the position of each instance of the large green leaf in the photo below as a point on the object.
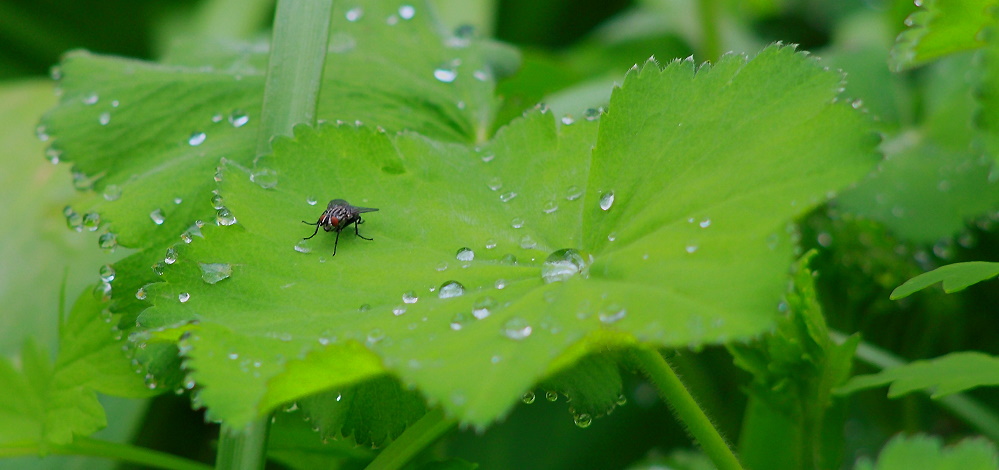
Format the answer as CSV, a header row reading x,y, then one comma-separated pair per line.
x,y
952,373
954,277
676,222
941,27
920,451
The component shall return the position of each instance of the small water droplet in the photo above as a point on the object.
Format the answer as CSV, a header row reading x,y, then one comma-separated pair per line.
x,y
568,120
507,196
459,320
592,114
212,273
171,256
112,192
495,184
157,217
354,14
158,268
500,284
488,157
705,223
582,420
612,236
607,200
550,207
516,328
107,273
399,310
691,248
446,75
42,133
612,314
73,219
140,294
265,178
551,395
410,297
375,336
857,104
562,265
183,297
442,266
465,254
483,307
621,400
573,193
508,258
90,99
196,139
528,397
450,289
217,201
490,244
108,241
528,243
364,308
407,12
177,200
238,118
311,200
517,222
102,291
223,217
91,221
104,118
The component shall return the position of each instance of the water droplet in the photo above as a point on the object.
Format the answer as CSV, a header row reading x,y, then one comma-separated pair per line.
x,y
465,254
500,284
488,157
612,236
621,400
446,75
91,221
459,320
481,75
104,118
171,256
91,99
407,12
354,14
483,307
508,258
612,314
517,222
158,268
238,118
140,294
562,265
410,297
265,178
399,310
507,196
527,242
442,266
857,104
303,246
102,291
450,289
107,273
212,273
490,244
73,219
224,217
551,395
364,308
607,200
550,207
516,328
824,239
573,193
583,420
592,114
108,241
157,216
177,200
81,182
196,139
691,248
54,156
375,336
568,120
528,397
495,184
42,133
705,223
311,200
183,297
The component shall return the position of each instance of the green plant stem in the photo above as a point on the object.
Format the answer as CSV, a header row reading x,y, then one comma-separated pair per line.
x,y
707,12
295,68
963,406
85,446
673,392
417,437
243,449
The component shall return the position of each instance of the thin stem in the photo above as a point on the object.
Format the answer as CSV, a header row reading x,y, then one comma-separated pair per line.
x,y
85,446
963,406
417,437
295,69
707,11
245,448
672,391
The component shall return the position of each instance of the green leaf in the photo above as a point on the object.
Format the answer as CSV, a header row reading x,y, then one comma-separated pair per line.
x,y
921,451
677,218
945,375
955,277
940,28
293,443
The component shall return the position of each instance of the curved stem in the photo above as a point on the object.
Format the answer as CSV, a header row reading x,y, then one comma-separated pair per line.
x,y
416,438
85,446
672,391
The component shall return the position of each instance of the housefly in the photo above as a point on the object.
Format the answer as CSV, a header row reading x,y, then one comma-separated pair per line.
x,y
339,214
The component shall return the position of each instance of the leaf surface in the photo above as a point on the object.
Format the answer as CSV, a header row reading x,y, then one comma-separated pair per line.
x,y
921,451
951,373
940,28
955,277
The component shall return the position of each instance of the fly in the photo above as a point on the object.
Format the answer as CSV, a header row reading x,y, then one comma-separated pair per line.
x,y
339,214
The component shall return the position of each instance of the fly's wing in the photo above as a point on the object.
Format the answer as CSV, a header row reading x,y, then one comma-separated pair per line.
x,y
361,210
337,202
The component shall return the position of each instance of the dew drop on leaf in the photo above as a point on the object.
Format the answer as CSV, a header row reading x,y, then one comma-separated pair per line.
x,y
583,420
607,200
311,200
157,217
108,241
551,395
102,291
495,184
446,75
215,272
303,247
91,99
500,284
91,221
528,397
407,12
573,193
483,307
196,139
73,219
450,289
354,14
399,310
562,265
265,178
107,273
612,314
459,320
53,155
705,223
517,222
507,196
691,248
568,120
465,254
528,243
375,336
238,118
223,217
140,294
183,297
410,297
171,256
516,328
550,207
104,118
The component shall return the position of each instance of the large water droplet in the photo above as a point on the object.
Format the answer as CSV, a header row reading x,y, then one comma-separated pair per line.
x,y
157,217
551,395
583,420
224,217
107,273
108,241
265,178
607,200
483,307
196,139
516,328
215,272
73,219
91,221
528,397
112,192
450,289
407,12
445,74
183,297
238,118
562,265
171,256
410,297
465,254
